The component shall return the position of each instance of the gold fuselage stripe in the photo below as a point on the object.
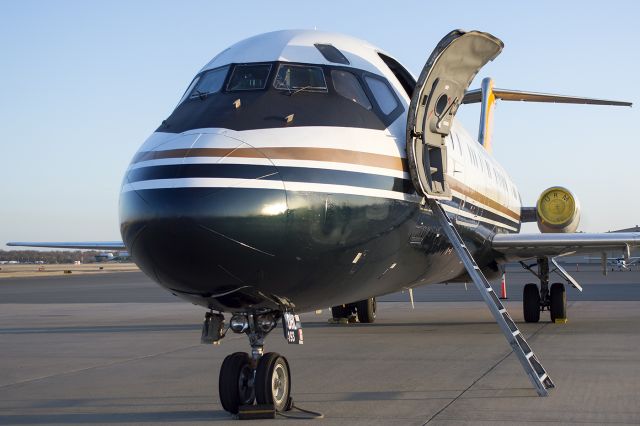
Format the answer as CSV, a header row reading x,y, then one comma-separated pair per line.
x,y
481,198
285,153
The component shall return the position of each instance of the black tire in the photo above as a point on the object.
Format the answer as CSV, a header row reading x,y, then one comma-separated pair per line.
x,y
558,296
341,311
531,303
366,310
233,384
273,381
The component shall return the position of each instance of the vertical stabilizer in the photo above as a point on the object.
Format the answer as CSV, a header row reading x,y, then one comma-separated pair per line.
x,y
487,104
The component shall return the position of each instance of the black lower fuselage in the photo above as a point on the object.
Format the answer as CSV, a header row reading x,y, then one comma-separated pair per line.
x,y
220,248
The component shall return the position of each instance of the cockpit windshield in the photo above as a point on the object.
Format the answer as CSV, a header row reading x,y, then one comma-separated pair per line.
x,y
300,77
249,77
262,95
209,82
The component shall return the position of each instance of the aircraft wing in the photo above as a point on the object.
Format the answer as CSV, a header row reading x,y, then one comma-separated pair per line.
x,y
526,246
88,245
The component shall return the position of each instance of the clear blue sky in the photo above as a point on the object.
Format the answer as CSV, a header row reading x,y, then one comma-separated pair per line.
x,y
83,84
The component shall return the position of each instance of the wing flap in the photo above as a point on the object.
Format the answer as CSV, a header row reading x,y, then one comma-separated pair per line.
x,y
526,246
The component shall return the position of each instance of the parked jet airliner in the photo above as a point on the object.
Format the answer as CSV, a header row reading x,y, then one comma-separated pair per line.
x,y
304,169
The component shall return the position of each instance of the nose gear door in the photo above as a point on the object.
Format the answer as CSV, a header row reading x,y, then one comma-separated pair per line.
x,y
442,84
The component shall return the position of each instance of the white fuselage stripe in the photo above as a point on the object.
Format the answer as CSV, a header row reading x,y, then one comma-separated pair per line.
x,y
265,184
469,200
471,216
292,186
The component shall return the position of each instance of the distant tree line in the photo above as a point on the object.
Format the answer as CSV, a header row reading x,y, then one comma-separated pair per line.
x,y
32,256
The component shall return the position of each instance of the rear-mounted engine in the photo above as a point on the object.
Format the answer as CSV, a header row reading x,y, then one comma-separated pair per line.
x,y
558,211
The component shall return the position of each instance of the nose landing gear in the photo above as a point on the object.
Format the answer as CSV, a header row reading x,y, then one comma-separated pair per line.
x,y
263,378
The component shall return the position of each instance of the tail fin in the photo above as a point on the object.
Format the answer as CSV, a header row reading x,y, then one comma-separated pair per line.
x,y
488,103
487,96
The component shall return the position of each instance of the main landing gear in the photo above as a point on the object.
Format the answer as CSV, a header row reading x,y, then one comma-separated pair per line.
x,y
552,298
264,378
364,309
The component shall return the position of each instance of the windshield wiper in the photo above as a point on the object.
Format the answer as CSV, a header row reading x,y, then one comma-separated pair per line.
x,y
301,89
201,95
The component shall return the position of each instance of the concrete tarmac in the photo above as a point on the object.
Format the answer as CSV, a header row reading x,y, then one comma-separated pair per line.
x,y
74,350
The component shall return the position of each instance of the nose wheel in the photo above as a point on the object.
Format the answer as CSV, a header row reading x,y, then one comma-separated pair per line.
x,y
235,384
273,381
269,383
263,378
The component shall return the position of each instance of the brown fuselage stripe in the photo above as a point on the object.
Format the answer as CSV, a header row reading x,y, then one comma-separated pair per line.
x,y
288,153
481,198
320,154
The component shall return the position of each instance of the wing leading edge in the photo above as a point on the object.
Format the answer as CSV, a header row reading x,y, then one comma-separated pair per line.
x,y
526,246
87,245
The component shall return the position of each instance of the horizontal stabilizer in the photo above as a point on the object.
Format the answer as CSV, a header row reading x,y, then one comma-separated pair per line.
x,y
84,245
475,96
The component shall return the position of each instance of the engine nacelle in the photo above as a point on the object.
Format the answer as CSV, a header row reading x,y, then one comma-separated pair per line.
x,y
558,211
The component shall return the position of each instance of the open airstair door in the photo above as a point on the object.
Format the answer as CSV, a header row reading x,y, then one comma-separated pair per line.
x,y
439,91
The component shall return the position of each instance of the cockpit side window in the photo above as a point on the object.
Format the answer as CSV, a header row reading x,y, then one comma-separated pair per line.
x,y
189,90
300,77
383,94
249,77
348,86
404,77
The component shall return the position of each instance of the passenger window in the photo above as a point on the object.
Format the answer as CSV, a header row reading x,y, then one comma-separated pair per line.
x,y
249,77
348,86
209,82
383,94
298,77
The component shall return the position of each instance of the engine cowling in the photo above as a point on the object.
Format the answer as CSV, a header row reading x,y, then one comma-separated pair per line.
x,y
558,211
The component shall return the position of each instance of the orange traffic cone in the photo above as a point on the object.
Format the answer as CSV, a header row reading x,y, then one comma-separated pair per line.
x,y
504,287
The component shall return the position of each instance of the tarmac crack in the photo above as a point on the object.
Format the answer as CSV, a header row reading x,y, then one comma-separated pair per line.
x,y
483,375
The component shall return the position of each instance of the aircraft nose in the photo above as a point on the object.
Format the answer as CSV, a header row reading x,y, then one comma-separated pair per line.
x,y
199,206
